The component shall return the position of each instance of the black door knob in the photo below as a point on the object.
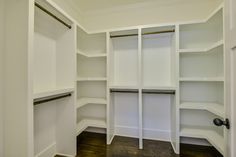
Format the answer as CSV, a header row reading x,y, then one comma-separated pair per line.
x,y
219,122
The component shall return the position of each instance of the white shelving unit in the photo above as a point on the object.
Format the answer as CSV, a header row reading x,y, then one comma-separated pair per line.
x,y
132,81
136,88
53,68
91,81
202,80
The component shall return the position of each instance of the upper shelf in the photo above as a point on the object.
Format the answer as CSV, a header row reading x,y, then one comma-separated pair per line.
x,y
91,79
214,108
201,79
95,55
52,92
85,100
203,50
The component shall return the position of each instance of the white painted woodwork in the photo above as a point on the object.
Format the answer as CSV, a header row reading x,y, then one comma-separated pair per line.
x,y
230,31
202,79
18,119
53,74
2,38
91,81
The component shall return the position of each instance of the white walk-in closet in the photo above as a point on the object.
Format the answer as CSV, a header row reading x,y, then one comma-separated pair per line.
x,y
155,70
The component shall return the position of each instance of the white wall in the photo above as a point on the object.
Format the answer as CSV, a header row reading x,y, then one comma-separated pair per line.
x,y
140,14
1,73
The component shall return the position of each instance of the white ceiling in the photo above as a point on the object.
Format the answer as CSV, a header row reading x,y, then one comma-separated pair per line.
x,y
96,5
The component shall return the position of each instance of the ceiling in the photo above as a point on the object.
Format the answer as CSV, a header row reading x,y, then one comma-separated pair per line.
x,y
96,5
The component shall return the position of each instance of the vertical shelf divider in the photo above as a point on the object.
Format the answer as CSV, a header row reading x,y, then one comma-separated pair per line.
x,y
140,108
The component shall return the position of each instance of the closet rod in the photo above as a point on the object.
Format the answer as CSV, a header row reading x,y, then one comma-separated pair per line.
x,y
52,15
123,91
149,33
159,92
51,98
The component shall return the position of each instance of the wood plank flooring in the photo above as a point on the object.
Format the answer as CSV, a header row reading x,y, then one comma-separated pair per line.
x,y
94,145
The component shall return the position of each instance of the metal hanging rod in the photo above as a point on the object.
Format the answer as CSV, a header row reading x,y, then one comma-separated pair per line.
x,y
123,90
149,33
52,15
172,92
51,98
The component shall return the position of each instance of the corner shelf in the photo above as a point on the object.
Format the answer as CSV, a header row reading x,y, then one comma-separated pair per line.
x,y
85,123
203,50
201,79
91,55
91,79
214,108
207,133
52,92
86,100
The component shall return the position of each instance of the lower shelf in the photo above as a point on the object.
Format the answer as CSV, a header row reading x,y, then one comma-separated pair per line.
x,y
207,133
85,123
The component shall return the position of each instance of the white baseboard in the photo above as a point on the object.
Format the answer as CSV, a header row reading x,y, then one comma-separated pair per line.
x,y
49,151
153,134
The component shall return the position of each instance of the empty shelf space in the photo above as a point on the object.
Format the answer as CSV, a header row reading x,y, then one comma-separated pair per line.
x,y
207,133
86,100
91,79
85,123
214,108
203,50
53,92
202,79
95,55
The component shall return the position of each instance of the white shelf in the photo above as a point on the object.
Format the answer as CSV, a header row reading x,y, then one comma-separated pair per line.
x,y
91,79
159,88
124,87
85,123
84,101
207,133
91,55
203,50
214,108
202,79
52,92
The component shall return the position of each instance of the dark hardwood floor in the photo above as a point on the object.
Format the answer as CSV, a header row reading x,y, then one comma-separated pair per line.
x,y
94,145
